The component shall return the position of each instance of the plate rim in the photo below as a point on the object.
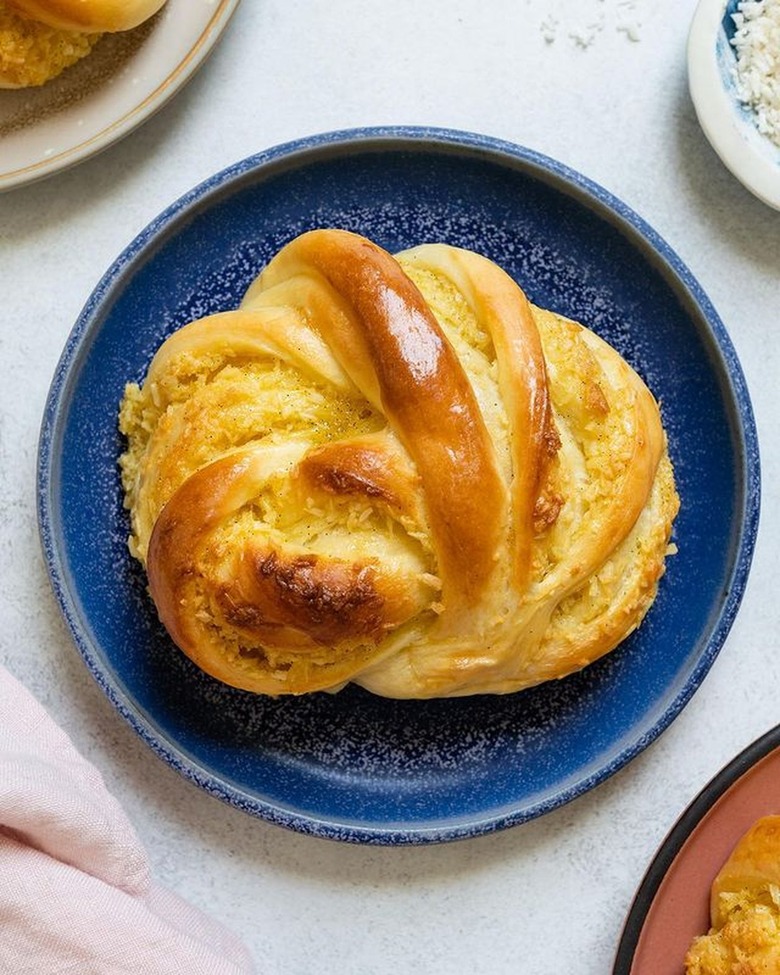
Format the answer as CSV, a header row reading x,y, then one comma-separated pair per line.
x,y
115,129
225,182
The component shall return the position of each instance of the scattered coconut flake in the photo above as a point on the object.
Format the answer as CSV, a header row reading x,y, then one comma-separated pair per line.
x,y
593,17
549,27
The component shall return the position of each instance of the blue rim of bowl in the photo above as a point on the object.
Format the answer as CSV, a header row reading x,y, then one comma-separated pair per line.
x,y
718,785
546,169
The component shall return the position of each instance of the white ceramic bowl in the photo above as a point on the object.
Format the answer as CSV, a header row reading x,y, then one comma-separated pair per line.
x,y
729,125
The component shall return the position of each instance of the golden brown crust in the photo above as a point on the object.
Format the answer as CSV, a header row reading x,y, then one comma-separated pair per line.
x,y
276,600
385,336
394,471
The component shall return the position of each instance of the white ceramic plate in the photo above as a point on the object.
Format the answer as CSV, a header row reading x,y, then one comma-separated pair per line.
x,y
125,79
729,125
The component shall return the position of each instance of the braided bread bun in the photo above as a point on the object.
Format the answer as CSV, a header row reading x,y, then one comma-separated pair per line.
x,y
40,38
396,472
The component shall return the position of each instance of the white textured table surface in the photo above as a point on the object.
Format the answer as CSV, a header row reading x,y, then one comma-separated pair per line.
x,y
599,85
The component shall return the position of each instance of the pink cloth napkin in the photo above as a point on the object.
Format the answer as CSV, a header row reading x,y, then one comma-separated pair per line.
x,y
76,893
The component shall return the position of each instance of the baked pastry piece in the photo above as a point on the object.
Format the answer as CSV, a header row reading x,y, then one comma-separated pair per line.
x,y
394,471
744,938
40,38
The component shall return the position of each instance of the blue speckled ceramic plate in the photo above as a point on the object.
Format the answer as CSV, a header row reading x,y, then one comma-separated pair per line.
x,y
352,766
729,124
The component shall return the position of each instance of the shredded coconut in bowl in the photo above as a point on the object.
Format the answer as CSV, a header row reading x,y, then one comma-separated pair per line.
x,y
757,70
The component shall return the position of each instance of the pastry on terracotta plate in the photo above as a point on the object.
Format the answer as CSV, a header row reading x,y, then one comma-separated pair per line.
x,y
744,937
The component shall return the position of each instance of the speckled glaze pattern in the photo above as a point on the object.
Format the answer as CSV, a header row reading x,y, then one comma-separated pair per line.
x,y
351,766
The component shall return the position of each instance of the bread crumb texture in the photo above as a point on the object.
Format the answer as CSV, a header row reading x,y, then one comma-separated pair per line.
x,y
748,943
32,53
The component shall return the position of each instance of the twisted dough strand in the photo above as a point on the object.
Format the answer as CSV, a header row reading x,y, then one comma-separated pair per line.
x,y
385,337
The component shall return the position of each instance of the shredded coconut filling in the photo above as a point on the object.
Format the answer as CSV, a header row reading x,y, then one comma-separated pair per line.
x,y
757,70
